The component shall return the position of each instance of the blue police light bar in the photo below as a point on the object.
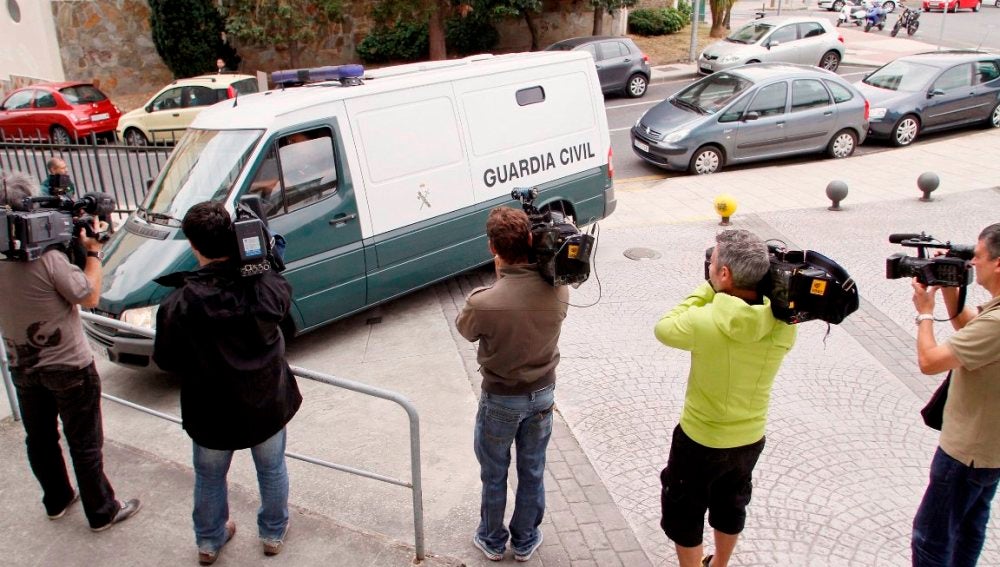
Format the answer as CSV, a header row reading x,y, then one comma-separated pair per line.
x,y
328,73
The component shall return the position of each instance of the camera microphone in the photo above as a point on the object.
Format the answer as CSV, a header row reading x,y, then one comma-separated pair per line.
x,y
901,236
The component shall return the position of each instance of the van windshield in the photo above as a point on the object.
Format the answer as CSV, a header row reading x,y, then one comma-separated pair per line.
x,y
203,167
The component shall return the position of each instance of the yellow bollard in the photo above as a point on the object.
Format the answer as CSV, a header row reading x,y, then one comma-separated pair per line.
x,y
725,205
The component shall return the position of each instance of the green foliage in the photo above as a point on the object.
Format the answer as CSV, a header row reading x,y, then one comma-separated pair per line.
x,y
280,23
657,21
685,8
186,34
610,6
471,34
404,41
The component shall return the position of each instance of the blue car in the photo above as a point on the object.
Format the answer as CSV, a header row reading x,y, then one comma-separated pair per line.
x,y
932,91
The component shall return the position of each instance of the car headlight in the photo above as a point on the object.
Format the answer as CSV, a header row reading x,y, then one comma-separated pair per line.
x,y
676,136
144,317
877,113
729,58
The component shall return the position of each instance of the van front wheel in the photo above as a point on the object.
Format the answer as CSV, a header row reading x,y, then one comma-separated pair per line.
x,y
706,160
636,86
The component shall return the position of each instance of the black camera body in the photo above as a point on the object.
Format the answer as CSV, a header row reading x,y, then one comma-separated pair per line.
x,y
804,285
259,249
561,251
953,269
53,222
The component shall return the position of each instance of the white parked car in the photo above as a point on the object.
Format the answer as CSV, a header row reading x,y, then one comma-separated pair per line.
x,y
807,41
835,5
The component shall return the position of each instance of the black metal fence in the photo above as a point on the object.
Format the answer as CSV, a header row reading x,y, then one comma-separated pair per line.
x,y
122,171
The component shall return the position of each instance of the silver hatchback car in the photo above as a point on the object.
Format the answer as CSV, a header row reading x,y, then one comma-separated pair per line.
x,y
808,41
753,112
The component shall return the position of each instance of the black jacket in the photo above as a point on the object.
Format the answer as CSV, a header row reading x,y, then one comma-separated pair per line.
x,y
220,332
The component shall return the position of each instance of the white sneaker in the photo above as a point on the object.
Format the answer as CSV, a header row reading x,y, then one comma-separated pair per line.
x,y
531,551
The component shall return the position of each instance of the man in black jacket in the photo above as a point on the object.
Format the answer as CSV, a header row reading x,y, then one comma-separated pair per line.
x,y
220,331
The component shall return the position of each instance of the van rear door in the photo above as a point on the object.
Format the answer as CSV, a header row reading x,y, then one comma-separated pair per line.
x,y
309,199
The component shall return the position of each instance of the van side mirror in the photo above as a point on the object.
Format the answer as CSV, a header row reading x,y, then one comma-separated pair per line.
x,y
752,115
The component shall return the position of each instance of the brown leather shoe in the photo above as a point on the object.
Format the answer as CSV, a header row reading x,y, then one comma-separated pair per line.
x,y
206,557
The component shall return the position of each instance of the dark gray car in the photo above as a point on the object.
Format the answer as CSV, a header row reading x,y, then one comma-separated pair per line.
x,y
753,112
932,91
621,66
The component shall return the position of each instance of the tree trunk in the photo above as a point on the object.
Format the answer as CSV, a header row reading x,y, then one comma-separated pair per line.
x,y
532,29
598,21
435,33
718,8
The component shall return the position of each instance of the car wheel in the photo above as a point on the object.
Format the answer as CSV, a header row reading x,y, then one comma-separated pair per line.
x,y
994,119
135,137
706,160
868,26
976,7
59,135
830,60
906,130
889,7
842,144
837,5
636,86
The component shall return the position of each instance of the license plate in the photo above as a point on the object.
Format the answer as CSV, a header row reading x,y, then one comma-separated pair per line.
x,y
641,146
99,117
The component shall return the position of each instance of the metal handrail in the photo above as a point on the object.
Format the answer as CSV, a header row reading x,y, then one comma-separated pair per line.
x,y
415,484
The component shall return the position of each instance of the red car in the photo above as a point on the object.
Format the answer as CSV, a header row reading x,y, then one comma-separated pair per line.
x,y
953,5
59,112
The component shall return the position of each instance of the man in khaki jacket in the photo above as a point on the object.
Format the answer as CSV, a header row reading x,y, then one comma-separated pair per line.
x,y
950,525
517,322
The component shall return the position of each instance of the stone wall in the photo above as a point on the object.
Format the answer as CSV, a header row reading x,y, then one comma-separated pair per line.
x,y
109,42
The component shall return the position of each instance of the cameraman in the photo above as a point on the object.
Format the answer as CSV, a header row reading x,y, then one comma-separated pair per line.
x,y
54,372
221,332
517,322
736,347
57,166
950,525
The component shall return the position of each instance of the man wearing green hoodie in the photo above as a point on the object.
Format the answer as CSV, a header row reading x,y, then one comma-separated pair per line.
x,y
736,347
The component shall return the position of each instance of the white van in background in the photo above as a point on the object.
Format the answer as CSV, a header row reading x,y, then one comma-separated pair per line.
x,y
380,181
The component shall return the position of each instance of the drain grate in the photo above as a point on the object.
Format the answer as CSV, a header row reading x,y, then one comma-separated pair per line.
x,y
641,254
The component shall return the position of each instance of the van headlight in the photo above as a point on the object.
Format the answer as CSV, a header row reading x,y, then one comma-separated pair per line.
x,y
876,113
729,59
676,136
144,317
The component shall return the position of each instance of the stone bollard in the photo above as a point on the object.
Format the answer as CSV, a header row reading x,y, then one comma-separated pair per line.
x,y
927,183
725,206
836,191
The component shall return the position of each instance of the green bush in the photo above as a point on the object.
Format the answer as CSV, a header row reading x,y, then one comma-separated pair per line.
x,y
405,41
685,9
470,34
658,21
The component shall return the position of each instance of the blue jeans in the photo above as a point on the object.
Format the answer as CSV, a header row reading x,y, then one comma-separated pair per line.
x,y
211,497
501,421
950,527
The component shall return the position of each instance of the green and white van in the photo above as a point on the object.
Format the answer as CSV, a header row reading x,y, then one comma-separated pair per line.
x,y
380,186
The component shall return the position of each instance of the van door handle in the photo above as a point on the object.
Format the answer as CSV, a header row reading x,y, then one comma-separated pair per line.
x,y
828,113
341,219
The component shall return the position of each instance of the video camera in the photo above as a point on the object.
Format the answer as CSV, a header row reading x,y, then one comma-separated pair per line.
x,y
260,250
804,285
950,270
561,251
53,222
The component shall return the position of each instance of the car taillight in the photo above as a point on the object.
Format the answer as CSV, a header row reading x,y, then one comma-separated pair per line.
x,y
868,107
230,92
840,38
81,117
611,163
645,58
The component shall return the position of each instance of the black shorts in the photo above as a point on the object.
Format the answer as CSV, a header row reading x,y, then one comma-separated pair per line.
x,y
699,478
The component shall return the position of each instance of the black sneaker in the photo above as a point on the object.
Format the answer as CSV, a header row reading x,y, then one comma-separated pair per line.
x,y
126,509
76,496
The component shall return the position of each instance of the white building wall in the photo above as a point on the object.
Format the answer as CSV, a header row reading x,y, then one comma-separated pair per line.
x,y
29,48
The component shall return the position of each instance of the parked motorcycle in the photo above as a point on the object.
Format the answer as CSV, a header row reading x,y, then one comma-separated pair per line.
x,y
875,17
853,13
909,20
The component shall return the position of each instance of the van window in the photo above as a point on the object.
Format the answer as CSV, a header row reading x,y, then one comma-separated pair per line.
x,y
308,172
533,95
